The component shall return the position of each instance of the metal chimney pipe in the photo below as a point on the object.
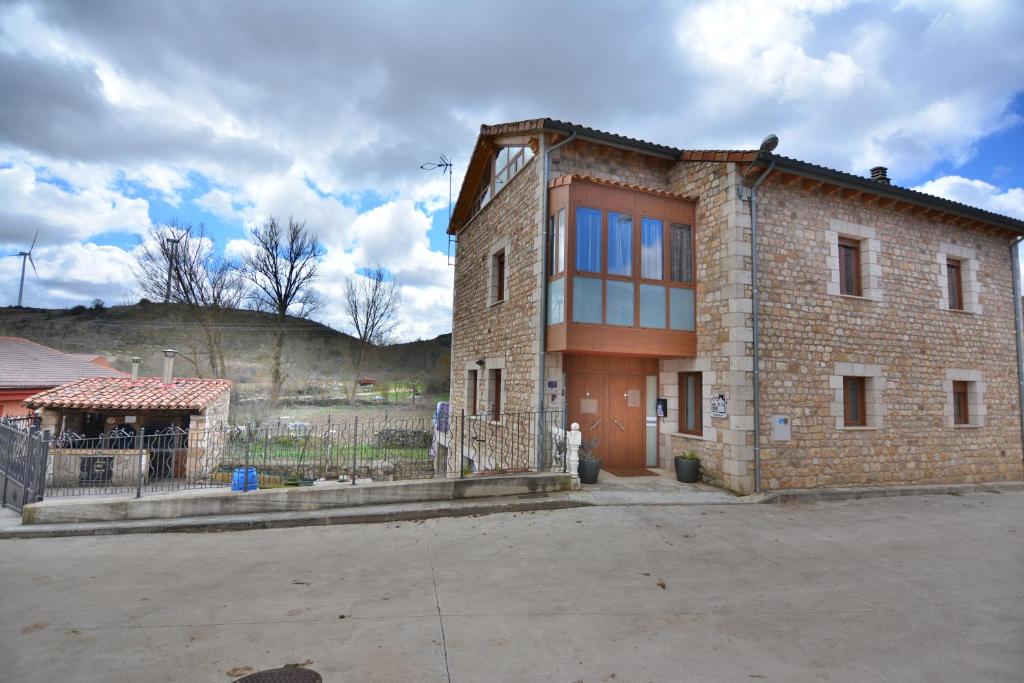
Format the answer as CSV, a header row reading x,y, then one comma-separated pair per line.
x,y
136,362
168,375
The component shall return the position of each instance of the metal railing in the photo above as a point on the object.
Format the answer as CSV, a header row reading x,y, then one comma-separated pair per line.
x,y
125,462
23,459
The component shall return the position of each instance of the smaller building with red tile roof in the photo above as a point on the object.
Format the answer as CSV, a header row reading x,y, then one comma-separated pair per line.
x,y
27,368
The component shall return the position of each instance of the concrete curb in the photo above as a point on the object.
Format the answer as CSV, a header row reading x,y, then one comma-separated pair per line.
x,y
837,494
249,522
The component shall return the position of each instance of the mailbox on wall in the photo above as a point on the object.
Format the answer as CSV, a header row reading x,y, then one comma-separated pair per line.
x,y
781,428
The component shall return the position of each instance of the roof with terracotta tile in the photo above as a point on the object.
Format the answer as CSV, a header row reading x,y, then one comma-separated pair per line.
x,y
123,393
483,147
25,364
569,178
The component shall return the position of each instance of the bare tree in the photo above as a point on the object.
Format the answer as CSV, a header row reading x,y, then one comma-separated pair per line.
x,y
371,308
282,267
178,263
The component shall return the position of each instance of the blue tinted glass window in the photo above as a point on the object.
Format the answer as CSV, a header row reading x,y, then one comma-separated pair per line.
x,y
681,313
620,303
556,301
652,306
620,244
586,300
652,249
588,239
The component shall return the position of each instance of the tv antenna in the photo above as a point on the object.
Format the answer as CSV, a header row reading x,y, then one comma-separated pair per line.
x,y
444,163
26,256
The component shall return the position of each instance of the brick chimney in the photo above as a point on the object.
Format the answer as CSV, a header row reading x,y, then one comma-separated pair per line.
x,y
136,362
168,375
880,174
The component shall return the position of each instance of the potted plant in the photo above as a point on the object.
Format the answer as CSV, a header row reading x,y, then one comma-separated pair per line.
x,y
590,465
687,467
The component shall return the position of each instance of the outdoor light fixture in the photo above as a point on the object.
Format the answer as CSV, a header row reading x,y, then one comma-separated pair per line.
x,y
770,143
481,362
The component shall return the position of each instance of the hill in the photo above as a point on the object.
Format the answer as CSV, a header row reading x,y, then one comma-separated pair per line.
x,y
314,354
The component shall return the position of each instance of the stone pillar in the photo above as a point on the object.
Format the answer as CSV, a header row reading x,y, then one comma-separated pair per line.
x,y
573,441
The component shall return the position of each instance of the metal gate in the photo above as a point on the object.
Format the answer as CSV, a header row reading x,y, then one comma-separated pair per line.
x,y
23,454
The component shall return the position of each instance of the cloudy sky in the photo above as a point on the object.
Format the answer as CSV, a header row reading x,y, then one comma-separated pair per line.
x,y
119,115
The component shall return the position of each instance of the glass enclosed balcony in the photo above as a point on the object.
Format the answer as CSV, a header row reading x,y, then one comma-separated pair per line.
x,y
621,270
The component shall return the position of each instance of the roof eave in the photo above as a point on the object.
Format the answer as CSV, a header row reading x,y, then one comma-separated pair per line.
x,y
848,181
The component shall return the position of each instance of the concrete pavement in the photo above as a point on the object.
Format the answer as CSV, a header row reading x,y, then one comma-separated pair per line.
x,y
921,588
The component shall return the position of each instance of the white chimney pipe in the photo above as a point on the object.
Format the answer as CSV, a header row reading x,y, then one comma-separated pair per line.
x,y
168,375
136,361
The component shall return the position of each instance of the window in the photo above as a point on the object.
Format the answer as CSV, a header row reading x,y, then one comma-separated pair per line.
x,y
499,277
651,250
849,267
955,284
620,244
471,392
652,306
556,243
588,239
854,402
494,390
620,303
691,414
961,409
556,301
681,256
507,162
586,300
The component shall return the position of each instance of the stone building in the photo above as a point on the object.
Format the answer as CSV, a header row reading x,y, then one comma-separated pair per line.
x,y
614,279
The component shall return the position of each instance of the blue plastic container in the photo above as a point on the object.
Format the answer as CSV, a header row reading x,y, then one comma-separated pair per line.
x,y
243,474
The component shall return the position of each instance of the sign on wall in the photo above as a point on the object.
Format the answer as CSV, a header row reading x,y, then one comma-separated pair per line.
x,y
719,406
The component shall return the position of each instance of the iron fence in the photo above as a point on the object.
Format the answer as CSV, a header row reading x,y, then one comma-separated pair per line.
x,y
23,459
126,462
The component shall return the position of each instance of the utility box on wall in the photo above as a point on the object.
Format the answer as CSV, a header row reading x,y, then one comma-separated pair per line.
x,y
781,428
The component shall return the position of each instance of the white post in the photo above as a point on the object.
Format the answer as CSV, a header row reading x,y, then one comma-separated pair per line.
x,y
573,440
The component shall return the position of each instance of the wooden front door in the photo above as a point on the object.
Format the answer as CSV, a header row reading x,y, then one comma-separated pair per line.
x,y
625,415
605,396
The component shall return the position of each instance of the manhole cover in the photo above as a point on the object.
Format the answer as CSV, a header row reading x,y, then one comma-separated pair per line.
x,y
287,675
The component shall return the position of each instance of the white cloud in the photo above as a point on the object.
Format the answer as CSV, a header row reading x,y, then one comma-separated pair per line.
x,y
28,201
334,133
1009,202
69,275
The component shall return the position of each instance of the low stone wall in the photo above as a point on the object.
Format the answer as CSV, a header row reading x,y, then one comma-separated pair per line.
x,y
65,467
324,496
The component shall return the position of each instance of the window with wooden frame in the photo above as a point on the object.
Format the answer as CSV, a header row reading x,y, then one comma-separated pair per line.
x,y
556,243
854,401
630,271
691,399
954,282
498,276
504,165
471,387
961,403
494,394
849,267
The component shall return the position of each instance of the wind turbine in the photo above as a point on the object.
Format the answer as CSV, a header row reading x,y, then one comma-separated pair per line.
x,y
26,256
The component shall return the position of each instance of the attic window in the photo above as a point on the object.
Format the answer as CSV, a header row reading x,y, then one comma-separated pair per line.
x,y
503,166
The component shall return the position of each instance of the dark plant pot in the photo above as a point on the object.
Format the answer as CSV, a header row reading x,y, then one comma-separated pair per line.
x,y
687,471
588,470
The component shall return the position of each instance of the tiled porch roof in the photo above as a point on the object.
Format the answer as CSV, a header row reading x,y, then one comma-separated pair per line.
x,y
122,393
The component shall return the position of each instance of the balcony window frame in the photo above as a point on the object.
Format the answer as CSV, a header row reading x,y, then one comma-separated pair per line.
x,y
636,278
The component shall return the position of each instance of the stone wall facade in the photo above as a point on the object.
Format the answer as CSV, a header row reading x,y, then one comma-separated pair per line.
x,y
902,337
503,335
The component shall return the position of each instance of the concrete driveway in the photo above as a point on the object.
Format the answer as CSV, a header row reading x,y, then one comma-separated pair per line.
x,y
906,589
